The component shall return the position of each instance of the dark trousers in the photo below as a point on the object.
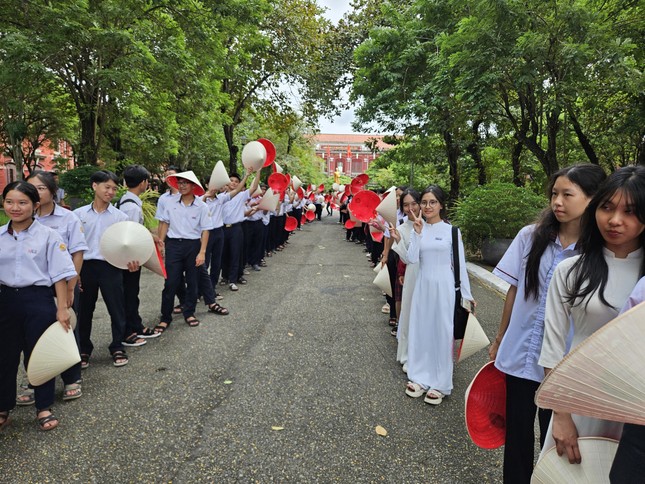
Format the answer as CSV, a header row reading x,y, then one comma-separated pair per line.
x,y
180,259
520,436
95,275
392,263
232,254
253,241
265,240
133,322
25,314
272,238
629,462
297,213
319,208
214,253
73,374
377,250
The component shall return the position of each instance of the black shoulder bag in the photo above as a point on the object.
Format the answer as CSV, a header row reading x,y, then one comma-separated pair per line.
x,y
461,313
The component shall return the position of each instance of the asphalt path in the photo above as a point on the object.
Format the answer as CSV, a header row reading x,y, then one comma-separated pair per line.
x,y
289,387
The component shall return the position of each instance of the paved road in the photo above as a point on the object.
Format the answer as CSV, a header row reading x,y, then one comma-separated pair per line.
x,y
305,349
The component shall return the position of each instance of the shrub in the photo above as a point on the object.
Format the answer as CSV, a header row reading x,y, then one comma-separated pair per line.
x,y
495,210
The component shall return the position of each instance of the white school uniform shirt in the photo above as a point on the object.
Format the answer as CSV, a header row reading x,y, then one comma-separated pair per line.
x,y
187,221
216,208
133,209
68,226
163,201
36,256
266,217
95,224
234,210
258,214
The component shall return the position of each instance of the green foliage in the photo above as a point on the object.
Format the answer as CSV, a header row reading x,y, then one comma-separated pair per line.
x,y
496,210
76,182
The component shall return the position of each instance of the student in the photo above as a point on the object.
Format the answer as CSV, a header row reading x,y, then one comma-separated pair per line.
x,y
588,290
528,266
183,229
136,178
33,259
629,462
233,215
430,362
97,273
68,226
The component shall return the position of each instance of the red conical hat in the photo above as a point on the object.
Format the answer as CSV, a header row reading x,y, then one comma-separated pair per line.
x,y
290,224
278,182
310,215
364,204
198,189
486,407
270,149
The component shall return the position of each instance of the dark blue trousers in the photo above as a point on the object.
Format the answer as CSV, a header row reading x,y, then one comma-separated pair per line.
x,y
629,462
95,275
133,322
231,257
214,253
25,314
180,259
253,241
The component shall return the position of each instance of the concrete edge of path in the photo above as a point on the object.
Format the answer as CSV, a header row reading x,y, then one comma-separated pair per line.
x,y
487,278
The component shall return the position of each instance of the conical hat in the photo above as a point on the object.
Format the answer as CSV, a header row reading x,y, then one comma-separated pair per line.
x,y
597,456
382,280
269,201
378,267
254,154
310,215
364,204
55,352
277,168
124,242
290,224
474,339
335,186
485,407
604,376
198,189
219,177
349,224
296,182
156,263
311,207
270,148
387,208
278,182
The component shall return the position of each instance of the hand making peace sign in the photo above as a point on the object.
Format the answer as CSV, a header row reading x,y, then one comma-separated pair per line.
x,y
418,222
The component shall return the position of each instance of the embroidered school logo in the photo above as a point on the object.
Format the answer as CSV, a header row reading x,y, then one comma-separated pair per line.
x,y
62,247
32,251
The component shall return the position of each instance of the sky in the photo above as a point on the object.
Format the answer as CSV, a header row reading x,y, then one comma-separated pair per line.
x,y
343,123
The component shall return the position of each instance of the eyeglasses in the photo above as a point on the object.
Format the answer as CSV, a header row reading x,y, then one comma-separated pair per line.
x,y
183,182
429,203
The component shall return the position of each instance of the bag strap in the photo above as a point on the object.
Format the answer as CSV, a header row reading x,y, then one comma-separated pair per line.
x,y
121,202
455,258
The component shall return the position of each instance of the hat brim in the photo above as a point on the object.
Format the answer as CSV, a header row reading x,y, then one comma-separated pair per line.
x,y
55,351
125,242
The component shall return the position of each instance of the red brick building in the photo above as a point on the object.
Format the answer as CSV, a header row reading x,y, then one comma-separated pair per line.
x,y
47,156
348,153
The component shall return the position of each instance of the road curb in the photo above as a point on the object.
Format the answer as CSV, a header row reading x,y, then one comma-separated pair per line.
x,y
487,278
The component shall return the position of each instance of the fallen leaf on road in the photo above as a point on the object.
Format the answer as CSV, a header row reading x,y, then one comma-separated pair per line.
x,y
277,428
227,382
290,334
381,431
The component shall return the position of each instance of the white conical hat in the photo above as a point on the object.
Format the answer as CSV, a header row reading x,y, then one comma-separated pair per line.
x,y
604,376
382,280
55,352
155,263
219,177
378,267
474,339
387,208
257,192
335,186
296,182
254,154
278,168
269,200
72,315
198,189
597,456
311,207
124,242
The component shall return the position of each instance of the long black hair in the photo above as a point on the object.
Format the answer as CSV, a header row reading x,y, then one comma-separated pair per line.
x,y
588,178
590,271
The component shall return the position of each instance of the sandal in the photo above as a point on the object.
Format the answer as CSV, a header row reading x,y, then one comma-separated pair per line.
x,y
414,390
159,329
85,361
72,391
393,322
192,321
48,422
26,396
395,330
134,340
4,418
217,309
119,358
147,333
178,309
434,397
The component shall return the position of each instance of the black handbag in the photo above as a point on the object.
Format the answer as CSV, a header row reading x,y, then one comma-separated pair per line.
x,y
461,313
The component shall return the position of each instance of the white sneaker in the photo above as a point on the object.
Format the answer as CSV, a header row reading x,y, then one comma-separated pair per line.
x,y
385,309
233,287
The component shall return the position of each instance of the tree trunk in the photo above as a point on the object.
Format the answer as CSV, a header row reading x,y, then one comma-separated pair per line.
x,y
452,152
229,130
582,138
515,163
88,153
474,150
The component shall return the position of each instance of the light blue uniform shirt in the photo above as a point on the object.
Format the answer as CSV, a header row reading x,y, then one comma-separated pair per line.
x,y
187,221
95,224
33,257
162,202
68,227
234,210
216,208
258,214
132,209
519,351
